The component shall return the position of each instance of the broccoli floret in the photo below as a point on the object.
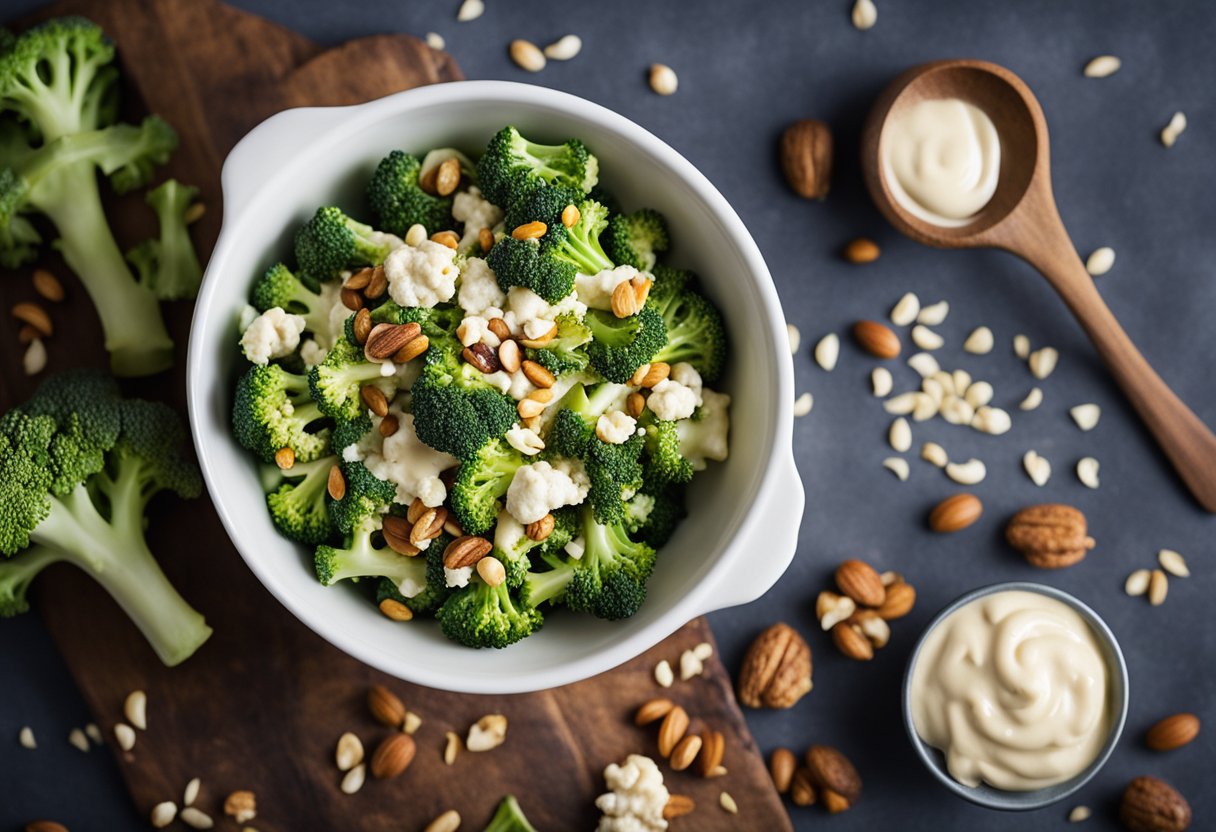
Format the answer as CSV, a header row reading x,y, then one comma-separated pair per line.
x,y
665,463
565,353
58,78
577,413
168,265
609,580
297,506
366,500
616,475
360,558
637,239
481,481
272,410
438,323
331,241
669,282
621,345
606,198
512,166
458,414
96,522
509,817
480,615
695,333
398,199
336,382
436,592
665,513
525,263
279,287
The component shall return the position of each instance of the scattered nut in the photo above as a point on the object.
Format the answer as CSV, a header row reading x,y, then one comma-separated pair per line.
x,y
690,666
1173,563
672,730
1043,362
163,814
1102,66
926,338
1100,262
452,748
858,580
713,749
831,608
685,752
864,15
802,790
78,740
861,250
349,752
663,79
876,339
652,711
1086,415
412,723
35,316
125,735
781,767
47,285
831,770
135,708
26,738
33,361
663,674
353,781
241,806
970,472
385,706
1050,536
898,466
899,435
1137,582
776,669
1033,399
470,10
1079,814
901,597
881,381
1158,588
827,351
934,454
196,818
934,314
806,158
1171,131
677,806
1087,471
393,756
803,404
795,336
1152,805
955,513
849,640
564,48
488,732
449,821
1021,346
527,55
905,311
435,41
1172,732
728,803
980,341
1038,468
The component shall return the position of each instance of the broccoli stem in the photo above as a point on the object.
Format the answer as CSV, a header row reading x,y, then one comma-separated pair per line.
x,y
17,573
135,333
117,556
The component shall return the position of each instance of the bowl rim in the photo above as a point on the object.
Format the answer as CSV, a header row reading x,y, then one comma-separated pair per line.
x,y
989,796
785,491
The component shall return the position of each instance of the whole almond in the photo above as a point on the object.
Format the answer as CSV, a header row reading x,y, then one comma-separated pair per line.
x,y
47,285
485,239
45,826
374,398
674,726
336,484
389,425
713,749
412,349
386,707
858,580
781,767
876,339
652,711
861,251
832,770
901,597
362,326
678,805
35,316
378,284
852,642
483,357
351,299
955,513
802,790
359,279
1172,732
393,756
1152,805
385,340
1050,536
396,531
776,670
806,158
835,802
499,327
685,752
428,526
466,551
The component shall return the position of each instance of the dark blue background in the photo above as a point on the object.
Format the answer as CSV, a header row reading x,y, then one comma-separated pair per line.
x,y
746,70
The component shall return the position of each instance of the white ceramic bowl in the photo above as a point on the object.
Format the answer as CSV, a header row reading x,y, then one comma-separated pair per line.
x,y
742,529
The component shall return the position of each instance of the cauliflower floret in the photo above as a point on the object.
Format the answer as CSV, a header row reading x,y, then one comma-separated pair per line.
x,y
273,334
615,428
539,488
476,213
381,238
526,304
516,384
671,400
705,438
595,290
312,353
637,799
405,461
457,577
476,329
421,276
478,287
686,374
508,532
525,440
569,305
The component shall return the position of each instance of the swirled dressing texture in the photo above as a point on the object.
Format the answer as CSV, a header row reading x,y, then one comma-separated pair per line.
x,y
1012,688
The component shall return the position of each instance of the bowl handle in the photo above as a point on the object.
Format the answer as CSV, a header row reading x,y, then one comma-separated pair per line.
x,y
779,520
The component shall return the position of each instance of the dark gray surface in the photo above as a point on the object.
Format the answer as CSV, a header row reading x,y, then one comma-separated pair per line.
x,y
747,69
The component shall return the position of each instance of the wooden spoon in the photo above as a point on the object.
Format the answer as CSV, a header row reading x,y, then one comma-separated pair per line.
x,y
1022,218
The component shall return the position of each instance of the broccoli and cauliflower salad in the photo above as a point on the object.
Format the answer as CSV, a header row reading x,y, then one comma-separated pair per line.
x,y
488,402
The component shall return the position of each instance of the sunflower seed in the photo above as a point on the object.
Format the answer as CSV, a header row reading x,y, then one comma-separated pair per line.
x,y
1087,472
906,310
1171,131
827,351
925,364
1173,563
663,674
135,708
934,314
803,404
353,781
980,341
1101,261
900,435
795,335
1086,415
125,735
565,48
163,814
1158,588
77,738
728,803
970,472
470,10
880,379
663,79
1102,66
1033,399
934,453
1043,362
865,15
1037,468
26,738
1021,346
926,338
897,466
1137,582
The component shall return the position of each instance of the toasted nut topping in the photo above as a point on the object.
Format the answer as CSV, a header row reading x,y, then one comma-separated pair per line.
x,y
508,355
446,238
537,343
663,79
491,571
384,340
675,725
194,213
527,55
485,239
241,806
416,509
396,533
652,711
635,403
447,178
540,529
426,181
374,398
363,325
389,425
538,375
359,279
396,610
379,284
528,408
35,316
678,805
530,230
499,327
466,551
47,285
654,373
482,357
412,349
285,458
685,752
570,216
351,299
629,297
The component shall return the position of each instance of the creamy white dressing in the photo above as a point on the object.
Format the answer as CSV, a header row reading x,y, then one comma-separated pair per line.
x,y
1012,688
941,159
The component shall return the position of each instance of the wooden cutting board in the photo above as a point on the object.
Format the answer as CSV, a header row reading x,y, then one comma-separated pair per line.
x,y
262,704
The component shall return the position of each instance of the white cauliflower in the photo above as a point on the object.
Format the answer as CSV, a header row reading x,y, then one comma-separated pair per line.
x,y
705,438
539,488
478,288
616,427
516,384
686,374
595,290
525,440
273,334
405,461
421,276
312,353
475,329
637,799
457,577
476,213
671,400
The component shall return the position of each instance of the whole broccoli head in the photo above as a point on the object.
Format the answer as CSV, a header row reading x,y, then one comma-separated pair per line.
x,y
665,463
616,475
331,242
398,199
480,615
637,239
620,345
273,409
168,264
512,166
609,580
481,482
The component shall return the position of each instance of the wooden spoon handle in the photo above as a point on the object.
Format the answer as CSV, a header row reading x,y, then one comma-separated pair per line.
x,y
1186,440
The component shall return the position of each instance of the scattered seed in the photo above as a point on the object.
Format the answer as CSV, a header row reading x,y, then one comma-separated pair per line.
x,y
1137,582
934,314
449,821
1101,261
349,752
979,394
196,818
435,40
470,10
897,466
970,472
1021,346
880,379
900,435
527,55
703,651
412,722
1079,814
353,780
663,79
94,733
452,748
191,793
901,405
1033,399
34,359
934,389
926,338
663,674
1158,587
26,737
956,411
77,738
135,708
565,48
795,335
1043,362
1171,131
980,341
1087,472
865,15
47,285
1102,66
861,250
991,420
934,453
125,735
1037,468
163,814
924,364
1173,563
803,404
690,665
827,351
194,213
906,310
728,803
962,380
1086,415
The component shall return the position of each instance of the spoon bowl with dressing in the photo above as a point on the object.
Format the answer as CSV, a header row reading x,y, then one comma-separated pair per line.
x,y
956,155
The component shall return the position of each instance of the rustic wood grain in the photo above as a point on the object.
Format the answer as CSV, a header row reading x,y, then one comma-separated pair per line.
x,y
261,705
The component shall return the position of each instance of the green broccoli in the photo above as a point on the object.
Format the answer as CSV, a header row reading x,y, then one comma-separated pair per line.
x,y
297,505
455,411
331,242
620,345
438,323
616,475
367,499
360,558
512,166
168,266
565,353
336,383
58,78
273,410
577,413
665,514
665,462
509,817
481,481
279,287
512,544
480,615
695,333
436,592
637,239
77,472
398,199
